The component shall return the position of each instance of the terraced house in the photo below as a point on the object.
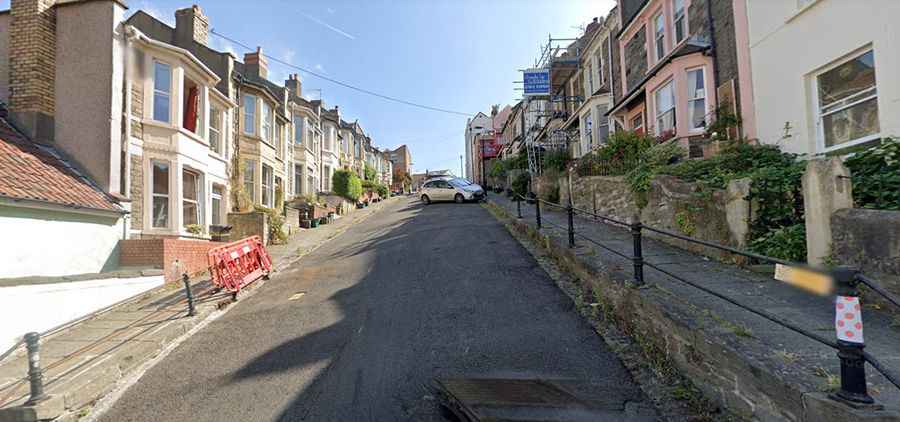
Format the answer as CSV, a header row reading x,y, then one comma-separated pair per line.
x,y
679,69
331,146
305,138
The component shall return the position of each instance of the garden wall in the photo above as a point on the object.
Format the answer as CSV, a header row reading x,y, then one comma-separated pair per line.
x,y
721,216
869,240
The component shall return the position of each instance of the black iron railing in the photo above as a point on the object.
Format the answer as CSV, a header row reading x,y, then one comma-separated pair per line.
x,y
846,280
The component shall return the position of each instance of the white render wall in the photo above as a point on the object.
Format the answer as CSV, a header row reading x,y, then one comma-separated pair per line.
x,y
40,242
788,45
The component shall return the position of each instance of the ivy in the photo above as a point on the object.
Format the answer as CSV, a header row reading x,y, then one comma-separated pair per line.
x,y
876,176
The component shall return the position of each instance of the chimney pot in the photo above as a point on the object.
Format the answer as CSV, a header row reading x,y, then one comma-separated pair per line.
x,y
256,63
294,85
191,25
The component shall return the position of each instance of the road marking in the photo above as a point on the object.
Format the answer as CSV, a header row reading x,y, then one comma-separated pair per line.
x,y
297,296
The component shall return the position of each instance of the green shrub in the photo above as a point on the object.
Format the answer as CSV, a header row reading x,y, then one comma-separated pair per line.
x,y
497,169
520,184
277,234
346,184
788,242
369,172
648,164
382,190
876,176
617,157
194,229
556,160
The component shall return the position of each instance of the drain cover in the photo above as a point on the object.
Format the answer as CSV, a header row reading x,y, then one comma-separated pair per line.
x,y
499,400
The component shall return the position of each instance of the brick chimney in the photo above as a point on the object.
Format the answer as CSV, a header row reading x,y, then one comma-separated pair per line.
x,y
32,67
191,25
294,85
256,63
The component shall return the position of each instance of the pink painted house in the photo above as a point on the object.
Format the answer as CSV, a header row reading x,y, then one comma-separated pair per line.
x,y
680,66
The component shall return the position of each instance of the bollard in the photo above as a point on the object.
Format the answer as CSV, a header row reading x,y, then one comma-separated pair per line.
x,y
848,328
571,214
518,206
190,296
638,258
537,212
35,374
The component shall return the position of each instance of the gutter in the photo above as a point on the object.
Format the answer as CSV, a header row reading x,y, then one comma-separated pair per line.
x,y
55,206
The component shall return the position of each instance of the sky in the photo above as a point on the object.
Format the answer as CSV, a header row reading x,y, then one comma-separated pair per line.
x,y
460,55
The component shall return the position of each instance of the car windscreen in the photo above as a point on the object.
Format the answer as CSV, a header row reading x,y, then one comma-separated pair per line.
x,y
459,182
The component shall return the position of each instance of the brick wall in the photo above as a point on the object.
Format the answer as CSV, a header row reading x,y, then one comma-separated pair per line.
x,y
137,193
32,56
162,253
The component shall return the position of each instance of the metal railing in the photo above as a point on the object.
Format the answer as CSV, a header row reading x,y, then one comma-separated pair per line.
x,y
846,280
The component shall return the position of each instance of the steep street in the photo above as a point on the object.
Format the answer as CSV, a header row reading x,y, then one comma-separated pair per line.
x,y
358,329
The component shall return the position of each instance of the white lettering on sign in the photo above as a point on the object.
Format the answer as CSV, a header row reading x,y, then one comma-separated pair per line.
x,y
234,255
848,319
246,249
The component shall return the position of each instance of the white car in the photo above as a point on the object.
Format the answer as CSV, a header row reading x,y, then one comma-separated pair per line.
x,y
450,189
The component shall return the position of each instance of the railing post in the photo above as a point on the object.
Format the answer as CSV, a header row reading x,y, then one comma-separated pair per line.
x,y
571,214
518,206
537,211
35,374
190,296
638,258
849,329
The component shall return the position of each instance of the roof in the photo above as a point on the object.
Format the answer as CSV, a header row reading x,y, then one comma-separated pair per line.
x,y
30,171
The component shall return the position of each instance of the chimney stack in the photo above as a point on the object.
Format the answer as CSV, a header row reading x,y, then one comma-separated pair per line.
x,y
32,67
256,63
294,85
191,25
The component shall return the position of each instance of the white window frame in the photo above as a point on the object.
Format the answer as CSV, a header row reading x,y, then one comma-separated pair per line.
x,y
602,122
250,115
279,140
298,129
676,17
165,196
198,196
704,98
158,92
631,122
659,36
266,125
213,197
817,110
657,113
215,132
250,179
298,184
268,186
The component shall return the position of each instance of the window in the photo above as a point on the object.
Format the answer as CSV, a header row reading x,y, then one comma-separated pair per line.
x,y
162,92
267,186
589,82
250,178
298,180
589,130
190,197
279,140
160,183
660,36
598,65
249,114
215,130
664,98
311,181
678,20
266,124
191,108
637,123
217,195
696,99
298,130
602,125
848,102
326,178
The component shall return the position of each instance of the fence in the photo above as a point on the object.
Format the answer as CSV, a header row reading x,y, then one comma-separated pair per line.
x,y
848,321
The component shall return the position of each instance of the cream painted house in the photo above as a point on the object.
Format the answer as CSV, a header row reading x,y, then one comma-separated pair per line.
x,y
824,72
331,146
305,134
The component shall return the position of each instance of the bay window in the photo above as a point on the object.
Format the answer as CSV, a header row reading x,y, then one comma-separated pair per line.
x,y
217,203
696,99
298,180
249,114
159,180
602,125
589,130
162,92
215,130
250,178
678,20
279,140
664,99
637,123
298,130
660,36
267,186
847,103
266,123
190,198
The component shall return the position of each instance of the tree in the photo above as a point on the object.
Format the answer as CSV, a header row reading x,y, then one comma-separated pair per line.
x,y
370,172
346,184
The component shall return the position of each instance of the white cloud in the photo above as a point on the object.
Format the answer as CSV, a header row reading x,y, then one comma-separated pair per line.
x,y
332,28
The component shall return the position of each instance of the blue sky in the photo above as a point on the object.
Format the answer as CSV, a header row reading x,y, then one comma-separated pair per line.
x,y
454,54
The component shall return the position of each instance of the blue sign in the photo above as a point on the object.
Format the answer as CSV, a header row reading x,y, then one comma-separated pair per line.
x,y
536,81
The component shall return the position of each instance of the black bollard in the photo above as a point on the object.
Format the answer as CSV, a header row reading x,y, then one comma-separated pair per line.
x,y
190,296
848,326
638,258
35,374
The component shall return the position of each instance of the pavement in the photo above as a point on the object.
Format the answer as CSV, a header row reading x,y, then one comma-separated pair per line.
x,y
361,326
795,358
94,357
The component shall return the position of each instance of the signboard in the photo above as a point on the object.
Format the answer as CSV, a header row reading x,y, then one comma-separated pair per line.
x,y
811,281
490,148
536,81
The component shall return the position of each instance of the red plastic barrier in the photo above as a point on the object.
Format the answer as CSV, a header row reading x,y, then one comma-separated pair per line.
x,y
237,264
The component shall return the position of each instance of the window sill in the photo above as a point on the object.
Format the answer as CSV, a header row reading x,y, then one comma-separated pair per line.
x,y
850,144
801,11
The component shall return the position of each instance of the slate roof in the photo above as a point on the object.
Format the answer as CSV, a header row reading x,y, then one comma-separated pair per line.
x,y
31,171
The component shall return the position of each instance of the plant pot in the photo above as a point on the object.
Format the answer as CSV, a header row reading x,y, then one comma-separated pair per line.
x,y
313,224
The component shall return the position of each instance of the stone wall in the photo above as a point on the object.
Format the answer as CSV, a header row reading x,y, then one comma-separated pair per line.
x,y
635,59
869,240
246,224
720,217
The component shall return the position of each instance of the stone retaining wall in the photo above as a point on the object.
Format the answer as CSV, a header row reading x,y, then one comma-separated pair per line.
x,y
869,240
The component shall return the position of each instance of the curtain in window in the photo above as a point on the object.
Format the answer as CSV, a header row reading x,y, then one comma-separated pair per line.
x,y
190,110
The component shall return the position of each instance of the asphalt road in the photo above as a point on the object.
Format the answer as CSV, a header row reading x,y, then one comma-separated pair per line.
x,y
412,293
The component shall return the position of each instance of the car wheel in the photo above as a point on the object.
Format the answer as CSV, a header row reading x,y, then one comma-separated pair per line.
x,y
425,199
459,199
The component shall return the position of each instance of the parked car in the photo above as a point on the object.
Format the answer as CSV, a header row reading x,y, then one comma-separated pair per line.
x,y
450,189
